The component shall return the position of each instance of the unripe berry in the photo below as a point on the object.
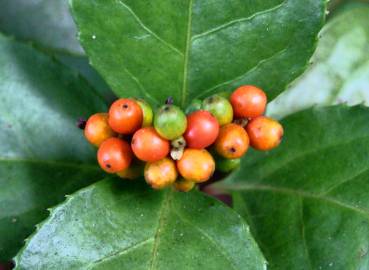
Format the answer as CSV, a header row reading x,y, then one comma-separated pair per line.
x,y
248,102
196,165
125,116
232,141
114,155
226,165
170,122
97,129
148,146
147,113
220,108
264,133
160,174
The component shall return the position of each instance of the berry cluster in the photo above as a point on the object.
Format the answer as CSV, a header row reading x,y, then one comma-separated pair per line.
x,y
177,148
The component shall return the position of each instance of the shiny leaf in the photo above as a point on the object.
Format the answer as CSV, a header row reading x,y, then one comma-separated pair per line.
x,y
192,48
43,156
116,224
307,202
340,69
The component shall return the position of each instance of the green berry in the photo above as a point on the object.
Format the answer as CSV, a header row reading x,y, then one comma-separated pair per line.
x,y
146,112
170,122
227,165
195,105
220,107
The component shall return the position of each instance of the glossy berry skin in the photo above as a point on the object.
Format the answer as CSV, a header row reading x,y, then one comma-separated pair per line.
x,y
226,165
183,185
170,122
147,113
114,155
147,145
248,102
97,129
196,165
125,116
265,133
232,141
161,174
202,129
220,108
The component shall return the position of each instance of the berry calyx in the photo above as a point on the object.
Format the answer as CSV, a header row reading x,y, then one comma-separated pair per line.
x,y
196,165
160,174
148,146
125,116
220,108
232,141
114,155
202,129
265,133
248,102
170,122
147,113
97,129
183,185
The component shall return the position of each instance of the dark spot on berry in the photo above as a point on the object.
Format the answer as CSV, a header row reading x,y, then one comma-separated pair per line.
x,y
232,150
108,166
125,106
211,99
166,108
180,143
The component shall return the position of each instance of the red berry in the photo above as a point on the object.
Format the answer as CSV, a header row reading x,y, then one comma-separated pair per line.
x,y
248,102
202,129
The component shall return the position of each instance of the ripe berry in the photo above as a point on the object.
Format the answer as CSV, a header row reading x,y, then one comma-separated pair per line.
x,y
134,171
148,146
97,129
264,133
232,141
114,155
125,116
196,165
248,102
183,185
170,122
202,129
147,113
220,107
227,165
160,174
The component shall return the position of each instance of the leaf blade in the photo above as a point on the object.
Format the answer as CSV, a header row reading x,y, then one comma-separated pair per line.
x,y
165,219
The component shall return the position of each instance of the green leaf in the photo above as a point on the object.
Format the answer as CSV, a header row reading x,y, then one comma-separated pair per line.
x,y
43,155
307,202
340,69
116,224
46,22
192,48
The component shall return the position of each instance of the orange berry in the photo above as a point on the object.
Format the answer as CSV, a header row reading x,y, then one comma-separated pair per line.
x,y
160,174
148,146
125,116
196,165
114,155
232,141
264,133
183,185
97,129
248,102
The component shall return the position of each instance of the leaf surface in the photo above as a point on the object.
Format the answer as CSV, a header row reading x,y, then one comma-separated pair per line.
x,y
340,69
191,48
307,202
43,155
122,225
